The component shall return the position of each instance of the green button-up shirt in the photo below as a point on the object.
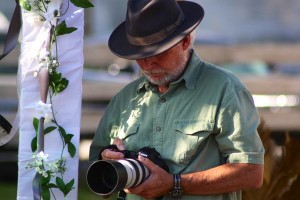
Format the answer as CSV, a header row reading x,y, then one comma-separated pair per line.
x,y
207,118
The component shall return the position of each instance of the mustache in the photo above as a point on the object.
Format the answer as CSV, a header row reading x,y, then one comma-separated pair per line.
x,y
151,72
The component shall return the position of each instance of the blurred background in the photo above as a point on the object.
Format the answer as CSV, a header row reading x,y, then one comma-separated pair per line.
x,y
257,40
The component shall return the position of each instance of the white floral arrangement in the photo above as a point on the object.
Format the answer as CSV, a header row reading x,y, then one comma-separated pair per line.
x,y
48,13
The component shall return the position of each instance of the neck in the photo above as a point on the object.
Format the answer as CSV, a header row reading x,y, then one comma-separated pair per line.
x,y
162,89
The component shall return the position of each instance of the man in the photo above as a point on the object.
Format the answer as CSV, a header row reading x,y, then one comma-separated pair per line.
x,y
200,118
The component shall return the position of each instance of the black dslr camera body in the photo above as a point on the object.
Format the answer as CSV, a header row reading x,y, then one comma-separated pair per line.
x,y
146,152
105,177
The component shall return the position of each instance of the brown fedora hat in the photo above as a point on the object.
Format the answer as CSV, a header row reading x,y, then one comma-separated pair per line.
x,y
153,26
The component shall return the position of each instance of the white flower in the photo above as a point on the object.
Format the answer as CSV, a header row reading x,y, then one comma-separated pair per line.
x,y
42,156
43,55
43,110
35,73
46,11
49,118
37,169
44,174
53,10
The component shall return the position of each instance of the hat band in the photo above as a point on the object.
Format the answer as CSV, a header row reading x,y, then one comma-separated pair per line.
x,y
156,37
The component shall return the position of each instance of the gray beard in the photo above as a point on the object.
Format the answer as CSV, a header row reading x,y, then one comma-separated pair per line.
x,y
169,78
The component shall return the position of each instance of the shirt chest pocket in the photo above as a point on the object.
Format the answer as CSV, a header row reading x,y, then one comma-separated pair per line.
x,y
129,133
189,136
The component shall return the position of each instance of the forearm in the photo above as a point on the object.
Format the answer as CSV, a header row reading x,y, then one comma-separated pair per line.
x,y
223,179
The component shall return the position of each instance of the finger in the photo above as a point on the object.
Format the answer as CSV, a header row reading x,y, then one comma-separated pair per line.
x,y
135,190
120,144
148,163
108,154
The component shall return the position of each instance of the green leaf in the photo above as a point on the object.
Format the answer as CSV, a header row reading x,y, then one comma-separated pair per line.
x,y
25,5
65,188
82,3
57,83
49,129
34,140
70,186
68,138
36,124
62,131
45,180
55,76
46,194
62,29
52,185
34,144
61,185
59,86
60,182
53,87
62,85
71,149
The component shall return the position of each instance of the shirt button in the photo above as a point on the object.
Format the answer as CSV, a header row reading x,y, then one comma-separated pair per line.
x,y
158,128
163,100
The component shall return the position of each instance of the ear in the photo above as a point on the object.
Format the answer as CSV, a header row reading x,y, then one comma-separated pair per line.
x,y
186,42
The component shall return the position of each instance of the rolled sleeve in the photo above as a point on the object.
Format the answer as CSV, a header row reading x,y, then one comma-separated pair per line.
x,y
254,158
238,139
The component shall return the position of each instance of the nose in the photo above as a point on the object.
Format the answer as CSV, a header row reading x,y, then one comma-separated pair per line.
x,y
147,63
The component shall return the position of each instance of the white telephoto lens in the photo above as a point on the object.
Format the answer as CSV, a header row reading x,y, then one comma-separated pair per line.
x,y
131,176
139,171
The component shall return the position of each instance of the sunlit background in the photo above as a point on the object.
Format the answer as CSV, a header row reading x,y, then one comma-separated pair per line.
x,y
259,41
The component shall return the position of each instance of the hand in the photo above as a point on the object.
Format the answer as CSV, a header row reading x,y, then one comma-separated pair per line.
x,y
108,154
157,184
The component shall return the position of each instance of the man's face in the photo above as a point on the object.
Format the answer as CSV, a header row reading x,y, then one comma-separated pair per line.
x,y
166,67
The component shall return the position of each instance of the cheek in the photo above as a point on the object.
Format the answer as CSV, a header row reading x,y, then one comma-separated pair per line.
x,y
141,64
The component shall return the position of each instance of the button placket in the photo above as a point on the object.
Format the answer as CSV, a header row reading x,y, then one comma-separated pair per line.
x,y
158,129
158,123
162,100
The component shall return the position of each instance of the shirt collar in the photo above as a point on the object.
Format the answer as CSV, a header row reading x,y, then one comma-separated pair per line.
x,y
144,85
192,70
190,75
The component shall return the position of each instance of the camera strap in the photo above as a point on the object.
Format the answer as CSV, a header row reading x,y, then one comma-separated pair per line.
x,y
12,36
122,195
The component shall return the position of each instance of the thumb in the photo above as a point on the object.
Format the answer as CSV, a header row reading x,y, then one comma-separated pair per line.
x,y
147,162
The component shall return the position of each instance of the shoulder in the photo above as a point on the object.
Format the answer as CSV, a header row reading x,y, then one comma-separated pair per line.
x,y
220,77
220,83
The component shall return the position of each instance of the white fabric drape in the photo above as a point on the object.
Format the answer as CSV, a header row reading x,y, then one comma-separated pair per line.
x,y
67,104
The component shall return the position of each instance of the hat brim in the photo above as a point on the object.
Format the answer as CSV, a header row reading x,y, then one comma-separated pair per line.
x,y
119,45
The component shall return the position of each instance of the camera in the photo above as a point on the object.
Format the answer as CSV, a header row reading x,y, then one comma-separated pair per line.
x,y
105,177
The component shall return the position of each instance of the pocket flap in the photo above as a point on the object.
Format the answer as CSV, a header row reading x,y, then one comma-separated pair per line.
x,y
190,127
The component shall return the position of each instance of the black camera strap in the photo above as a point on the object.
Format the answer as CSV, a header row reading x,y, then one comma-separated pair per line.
x,y
122,195
12,36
